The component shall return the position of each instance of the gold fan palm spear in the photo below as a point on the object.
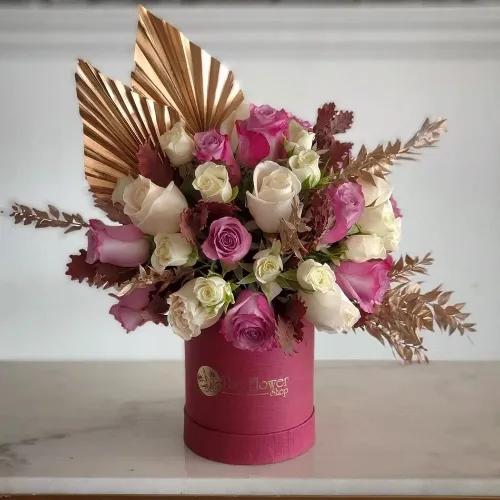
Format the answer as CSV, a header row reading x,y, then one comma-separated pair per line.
x,y
172,70
116,121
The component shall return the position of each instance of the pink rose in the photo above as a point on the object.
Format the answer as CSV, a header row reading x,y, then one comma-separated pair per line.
x,y
395,208
250,324
366,282
214,146
348,204
228,241
124,246
261,135
133,309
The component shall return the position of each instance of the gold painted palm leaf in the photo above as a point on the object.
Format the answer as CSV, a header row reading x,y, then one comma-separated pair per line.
x,y
116,121
172,70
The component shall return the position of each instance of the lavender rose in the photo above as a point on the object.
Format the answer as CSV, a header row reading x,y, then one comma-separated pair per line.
x,y
124,246
213,146
133,309
365,282
250,324
228,241
348,203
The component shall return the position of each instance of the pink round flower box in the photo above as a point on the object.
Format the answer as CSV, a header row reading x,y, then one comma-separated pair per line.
x,y
245,407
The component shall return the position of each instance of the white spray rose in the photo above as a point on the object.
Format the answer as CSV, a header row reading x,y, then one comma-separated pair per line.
x,y
331,311
213,293
313,276
298,138
177,145
123,182
380,220
273,192
363,247
375,189
212,181
305,165
268,264
171,250
153,209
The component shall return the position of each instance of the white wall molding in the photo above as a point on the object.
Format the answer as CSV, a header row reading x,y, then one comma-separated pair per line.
x,y
435,32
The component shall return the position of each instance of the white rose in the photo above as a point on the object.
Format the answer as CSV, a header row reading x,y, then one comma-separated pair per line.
x,y
213,293
267,266
298,138
274,189
170,250
313,276
392,238
380,220
227,127
186,315
305,165
363,247
212,181
123,182
330,310
177,145
153,209
375,189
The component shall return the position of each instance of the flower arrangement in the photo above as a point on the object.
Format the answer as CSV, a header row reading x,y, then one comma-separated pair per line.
x,y
240,214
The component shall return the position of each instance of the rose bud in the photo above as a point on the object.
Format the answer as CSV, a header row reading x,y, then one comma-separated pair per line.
x,y
124,246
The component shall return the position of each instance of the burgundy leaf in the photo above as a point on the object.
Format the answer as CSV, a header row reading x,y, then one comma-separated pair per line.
x,y
154,166
98,274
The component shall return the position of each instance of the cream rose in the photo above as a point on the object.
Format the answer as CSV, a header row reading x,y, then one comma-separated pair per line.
x,y
363,247
305,165
187,315
298,138
170,250
375,189
313,276
123,182
380,220
153,209
274,189
331,311
177,145
213,293
212,181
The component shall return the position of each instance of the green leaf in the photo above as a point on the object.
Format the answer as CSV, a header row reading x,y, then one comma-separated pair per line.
x,y
249,278
234,194
290,275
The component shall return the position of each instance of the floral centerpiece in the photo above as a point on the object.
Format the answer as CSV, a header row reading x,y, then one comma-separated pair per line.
x,y
240,223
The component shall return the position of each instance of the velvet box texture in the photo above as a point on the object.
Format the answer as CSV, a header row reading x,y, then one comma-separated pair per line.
x,y
247,407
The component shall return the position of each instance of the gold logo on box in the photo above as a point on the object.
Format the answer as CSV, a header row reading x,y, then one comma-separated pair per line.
x,y
211,384
209,381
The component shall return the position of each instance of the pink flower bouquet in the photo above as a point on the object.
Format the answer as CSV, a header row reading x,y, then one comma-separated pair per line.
x,y
241,226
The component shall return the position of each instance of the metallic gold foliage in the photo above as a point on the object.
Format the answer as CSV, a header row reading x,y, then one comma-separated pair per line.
x,y
116,122
380,160
290,230
51,218
406,311
172,70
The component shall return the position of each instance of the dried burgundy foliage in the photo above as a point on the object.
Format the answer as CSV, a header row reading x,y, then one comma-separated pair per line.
x,y
290,322
321,212
331,121
98,274
154,166
195,219
114,211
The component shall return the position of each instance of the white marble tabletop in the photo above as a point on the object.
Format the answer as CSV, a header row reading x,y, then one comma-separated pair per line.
x,y
116,427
